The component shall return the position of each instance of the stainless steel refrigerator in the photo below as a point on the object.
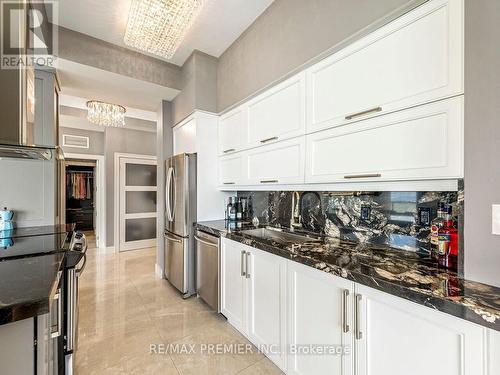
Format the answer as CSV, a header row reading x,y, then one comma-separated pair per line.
x,y
180,215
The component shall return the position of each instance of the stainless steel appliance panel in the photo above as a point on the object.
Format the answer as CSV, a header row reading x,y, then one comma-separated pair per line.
x,y
176,252
180,194
207,268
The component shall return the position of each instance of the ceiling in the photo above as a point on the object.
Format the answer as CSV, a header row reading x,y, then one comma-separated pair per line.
x,y
91,83
218,25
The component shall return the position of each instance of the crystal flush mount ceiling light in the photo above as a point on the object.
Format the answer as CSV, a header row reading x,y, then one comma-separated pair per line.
x,y
158,26
105,114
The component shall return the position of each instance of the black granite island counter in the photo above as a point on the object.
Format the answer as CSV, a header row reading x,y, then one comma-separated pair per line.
x,y
401,273
27,286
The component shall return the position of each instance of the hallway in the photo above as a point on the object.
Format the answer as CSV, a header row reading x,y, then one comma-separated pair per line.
x,y
124,310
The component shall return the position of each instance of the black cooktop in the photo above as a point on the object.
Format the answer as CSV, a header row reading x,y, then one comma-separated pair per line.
x,y
36,231
19,247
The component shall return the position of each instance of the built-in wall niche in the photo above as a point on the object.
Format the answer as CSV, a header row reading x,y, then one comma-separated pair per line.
x,y
397,219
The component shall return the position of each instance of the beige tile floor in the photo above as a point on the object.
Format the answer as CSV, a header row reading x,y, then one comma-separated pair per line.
x,y
124,309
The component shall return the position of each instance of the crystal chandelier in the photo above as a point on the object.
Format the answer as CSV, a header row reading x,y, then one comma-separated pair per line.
x,y
105,114
158,26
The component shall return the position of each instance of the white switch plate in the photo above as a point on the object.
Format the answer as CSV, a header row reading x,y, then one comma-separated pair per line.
x,y
495,219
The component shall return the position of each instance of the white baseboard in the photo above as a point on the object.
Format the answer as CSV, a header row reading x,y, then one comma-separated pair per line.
x,y
109,249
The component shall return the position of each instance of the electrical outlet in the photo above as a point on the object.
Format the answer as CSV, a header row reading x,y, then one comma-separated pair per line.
x,y
495,219
366,212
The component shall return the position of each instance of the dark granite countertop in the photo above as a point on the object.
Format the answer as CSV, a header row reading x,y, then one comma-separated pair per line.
x,y
401,273
27,286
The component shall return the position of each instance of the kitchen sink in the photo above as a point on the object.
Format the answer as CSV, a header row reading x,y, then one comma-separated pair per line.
x,y
278,235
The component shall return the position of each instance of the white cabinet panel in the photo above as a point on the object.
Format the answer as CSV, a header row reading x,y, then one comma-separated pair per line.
x,y
319,314
425,142
279,113
233,131
279,163
413,60
394,331
233,284
185,137
267,303
232,169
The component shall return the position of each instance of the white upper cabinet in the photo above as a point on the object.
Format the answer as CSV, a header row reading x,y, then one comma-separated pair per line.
x,y
184,136
415,59
424,142
233,131
232,170
391,331
279,163
279,113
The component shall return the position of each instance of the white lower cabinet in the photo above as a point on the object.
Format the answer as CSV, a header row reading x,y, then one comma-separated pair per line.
x,y
319,316
401,337
253,297
266,304
277,303
233,284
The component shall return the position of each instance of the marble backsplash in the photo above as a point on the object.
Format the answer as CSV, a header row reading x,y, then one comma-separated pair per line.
x,y
398,219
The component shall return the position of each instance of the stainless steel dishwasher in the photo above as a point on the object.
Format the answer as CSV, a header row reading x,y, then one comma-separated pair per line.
x,y
207,268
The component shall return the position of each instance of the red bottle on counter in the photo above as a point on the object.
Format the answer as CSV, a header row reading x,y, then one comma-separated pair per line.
x,y
447,237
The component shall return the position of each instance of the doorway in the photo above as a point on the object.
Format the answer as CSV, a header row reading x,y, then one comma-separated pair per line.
x,y
136,211
81,194
75,162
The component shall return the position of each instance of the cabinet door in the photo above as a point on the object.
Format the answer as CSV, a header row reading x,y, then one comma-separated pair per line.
x,y
266,278
425,142
279,163
415,59
185,137
401,337
319,311
232,170
279,113
233,291
233,131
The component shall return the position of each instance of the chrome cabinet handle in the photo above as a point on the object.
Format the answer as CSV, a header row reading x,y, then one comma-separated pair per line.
x,y
269,181
247,273
362,113
205,242
242,265
345,295
359,334
229,150
269,139
229,183
57,333
367,175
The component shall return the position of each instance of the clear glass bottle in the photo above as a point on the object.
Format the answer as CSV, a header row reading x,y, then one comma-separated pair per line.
x,y
436,223
448,238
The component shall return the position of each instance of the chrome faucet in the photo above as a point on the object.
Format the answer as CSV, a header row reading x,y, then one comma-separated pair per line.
x,y
295,220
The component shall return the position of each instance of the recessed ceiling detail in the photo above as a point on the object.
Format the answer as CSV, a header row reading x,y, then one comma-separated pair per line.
x,y
159,26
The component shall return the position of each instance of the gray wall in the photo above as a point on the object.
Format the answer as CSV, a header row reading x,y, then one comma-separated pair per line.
x,y
199,86
286,36
86,50
96,141
482,139
164,146
126,141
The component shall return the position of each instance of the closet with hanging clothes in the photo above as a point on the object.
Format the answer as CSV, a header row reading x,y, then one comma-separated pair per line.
x,y
80,194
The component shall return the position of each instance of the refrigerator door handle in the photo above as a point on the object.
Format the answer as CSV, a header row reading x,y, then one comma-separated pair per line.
x,y
167,194
172,207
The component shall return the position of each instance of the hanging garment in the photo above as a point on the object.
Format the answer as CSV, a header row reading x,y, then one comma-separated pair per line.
x,y
79,185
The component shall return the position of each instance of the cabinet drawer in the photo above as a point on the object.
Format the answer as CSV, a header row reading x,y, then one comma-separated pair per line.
x,y
279,113
415,59
233,131
231,170
420,143
279,163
